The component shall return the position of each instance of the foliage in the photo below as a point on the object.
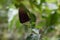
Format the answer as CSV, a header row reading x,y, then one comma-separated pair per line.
x,y
42,17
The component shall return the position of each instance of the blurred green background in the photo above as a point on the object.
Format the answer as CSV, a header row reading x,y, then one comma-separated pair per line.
x,y
44,23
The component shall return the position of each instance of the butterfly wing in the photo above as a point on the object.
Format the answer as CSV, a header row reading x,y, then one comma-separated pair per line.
x,y
23,16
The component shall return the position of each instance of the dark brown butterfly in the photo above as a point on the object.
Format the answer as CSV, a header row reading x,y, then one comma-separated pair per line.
x,y
23,16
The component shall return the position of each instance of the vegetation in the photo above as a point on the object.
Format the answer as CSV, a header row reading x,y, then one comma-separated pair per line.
x,y
44,20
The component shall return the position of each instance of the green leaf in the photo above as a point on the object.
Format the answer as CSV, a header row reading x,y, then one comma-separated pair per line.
x,y
52,19
11,24
32,20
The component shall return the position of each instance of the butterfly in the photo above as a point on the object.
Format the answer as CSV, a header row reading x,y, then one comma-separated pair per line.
x,y
23,15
